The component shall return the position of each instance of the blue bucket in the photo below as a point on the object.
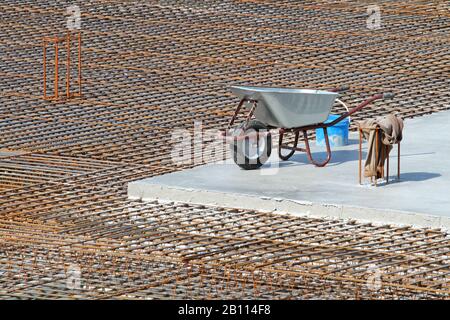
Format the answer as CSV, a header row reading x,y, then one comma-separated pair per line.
x,y
337,134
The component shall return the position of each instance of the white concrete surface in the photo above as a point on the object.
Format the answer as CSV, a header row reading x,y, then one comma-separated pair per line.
x,y
421,197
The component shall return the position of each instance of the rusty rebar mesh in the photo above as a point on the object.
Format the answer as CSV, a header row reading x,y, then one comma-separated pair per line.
x,y
152,67
127,249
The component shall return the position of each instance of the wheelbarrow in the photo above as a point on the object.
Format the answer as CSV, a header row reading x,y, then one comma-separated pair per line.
x,y
287,110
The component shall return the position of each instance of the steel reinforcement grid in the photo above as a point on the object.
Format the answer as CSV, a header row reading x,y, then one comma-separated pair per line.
x,y
67,229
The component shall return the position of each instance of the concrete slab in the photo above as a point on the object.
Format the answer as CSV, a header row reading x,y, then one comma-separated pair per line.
x,y
420,198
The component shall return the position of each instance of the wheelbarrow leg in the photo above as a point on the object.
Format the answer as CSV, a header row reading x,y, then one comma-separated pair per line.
x,y
238,109
280,146
308,150
236,112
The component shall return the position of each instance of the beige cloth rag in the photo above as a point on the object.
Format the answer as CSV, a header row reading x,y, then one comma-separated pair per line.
x,y
391,133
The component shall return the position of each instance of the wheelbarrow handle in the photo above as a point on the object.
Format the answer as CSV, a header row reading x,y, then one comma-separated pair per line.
x,y
355,109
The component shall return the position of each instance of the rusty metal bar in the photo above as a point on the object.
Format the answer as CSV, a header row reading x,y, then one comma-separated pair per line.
x,y
56,40
398,163
44,64
68,65
387,170
56,69
360,155
79,63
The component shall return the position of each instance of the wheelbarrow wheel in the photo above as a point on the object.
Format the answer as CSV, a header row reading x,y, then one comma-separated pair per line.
x,y
252,152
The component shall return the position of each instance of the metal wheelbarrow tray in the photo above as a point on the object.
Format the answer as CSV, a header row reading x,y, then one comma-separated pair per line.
x,y
288,110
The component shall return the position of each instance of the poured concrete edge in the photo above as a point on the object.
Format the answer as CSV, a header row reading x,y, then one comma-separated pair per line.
x,y
153,192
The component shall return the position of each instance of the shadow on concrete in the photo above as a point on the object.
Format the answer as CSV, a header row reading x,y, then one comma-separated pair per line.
x,y
353,141
414,154
337,157
417,176
410,176
350,142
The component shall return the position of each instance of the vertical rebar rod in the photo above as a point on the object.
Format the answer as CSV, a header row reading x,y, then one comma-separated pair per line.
x,y
376,155
44,65
68,66
398,162
387,170
79,62
360,154
56,69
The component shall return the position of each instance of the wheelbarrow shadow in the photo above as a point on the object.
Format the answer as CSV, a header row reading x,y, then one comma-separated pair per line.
x,y
337,157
